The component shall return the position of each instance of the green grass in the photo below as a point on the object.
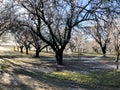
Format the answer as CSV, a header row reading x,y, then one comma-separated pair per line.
x,y
98,78
72,76
106,78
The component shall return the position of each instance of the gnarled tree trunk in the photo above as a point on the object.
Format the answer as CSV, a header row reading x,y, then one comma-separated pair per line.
x,y
104,51
37,53
59,57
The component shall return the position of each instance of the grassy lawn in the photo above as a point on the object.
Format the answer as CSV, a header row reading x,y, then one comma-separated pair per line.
x,y
110,79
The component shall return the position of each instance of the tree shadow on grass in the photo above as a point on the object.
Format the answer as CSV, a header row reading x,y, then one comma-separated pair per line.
x,y
41,77
13,56
54,82
77,66
12,83
14,87
63,84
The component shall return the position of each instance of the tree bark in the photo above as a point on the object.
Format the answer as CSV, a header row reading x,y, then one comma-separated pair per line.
x,y
27,50
59,57
37,53
117,58
104,51
21,49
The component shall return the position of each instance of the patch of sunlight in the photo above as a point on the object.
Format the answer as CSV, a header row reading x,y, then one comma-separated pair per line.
x,y
33,83
110,78
6,79
25,60
73,76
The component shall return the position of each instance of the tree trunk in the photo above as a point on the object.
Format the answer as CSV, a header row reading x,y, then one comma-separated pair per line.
x,y
117,65
21,49
117,58
37,53
27,50
78,52
103,48
104,51
59,57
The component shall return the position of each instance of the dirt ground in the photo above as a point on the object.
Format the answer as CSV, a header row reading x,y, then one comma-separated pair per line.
x,y
19,72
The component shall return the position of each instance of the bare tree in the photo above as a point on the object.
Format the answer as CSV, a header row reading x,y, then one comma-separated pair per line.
x,y
101,35
100,29
79,40
23,38
6,15
19,41
59,18
27,40
37,43
115,37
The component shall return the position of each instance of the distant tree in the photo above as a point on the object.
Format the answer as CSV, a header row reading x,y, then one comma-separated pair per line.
x,y
23,38
115,37
27,40
70,46
37,43
6,15
19,41
79,40
95,46
101,35
101,26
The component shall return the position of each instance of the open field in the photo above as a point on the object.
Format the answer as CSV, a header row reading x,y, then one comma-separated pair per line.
x,y
88,72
